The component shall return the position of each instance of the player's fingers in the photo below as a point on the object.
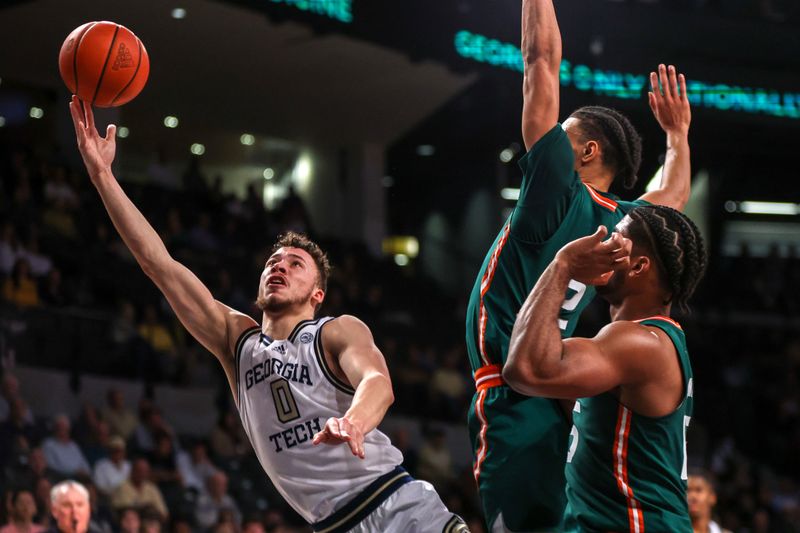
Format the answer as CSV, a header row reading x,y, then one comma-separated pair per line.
x,y
651,99
76,110
673,82
662,78
655,89
87,108
684,94
111,133
319,437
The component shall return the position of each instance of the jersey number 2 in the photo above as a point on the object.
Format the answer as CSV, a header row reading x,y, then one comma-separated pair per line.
x,y
572,302
285,406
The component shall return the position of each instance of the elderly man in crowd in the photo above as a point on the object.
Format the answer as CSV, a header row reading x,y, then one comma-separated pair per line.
x,y
71,508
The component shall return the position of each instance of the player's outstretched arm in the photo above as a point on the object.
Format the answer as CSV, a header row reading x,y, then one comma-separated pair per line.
x,y
350,341
206,319
670,105
537,363
541,55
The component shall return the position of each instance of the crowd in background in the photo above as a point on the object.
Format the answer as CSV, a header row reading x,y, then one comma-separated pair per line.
x,y
74,298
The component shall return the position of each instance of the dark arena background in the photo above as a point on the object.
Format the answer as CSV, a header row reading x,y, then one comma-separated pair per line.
x,y
388,131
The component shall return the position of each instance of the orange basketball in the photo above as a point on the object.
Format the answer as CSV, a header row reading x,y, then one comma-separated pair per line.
x,y
104,63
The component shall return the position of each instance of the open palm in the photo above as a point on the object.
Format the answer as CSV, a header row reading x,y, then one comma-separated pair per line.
x,y
97,152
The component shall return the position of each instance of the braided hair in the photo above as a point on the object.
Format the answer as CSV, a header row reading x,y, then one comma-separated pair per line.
x,y
621,143
677,246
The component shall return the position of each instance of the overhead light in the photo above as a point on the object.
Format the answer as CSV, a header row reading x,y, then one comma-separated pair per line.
x,y
269,173
247,139
730,206
178,13
401,260
509,193
36,112
405,245
426,150
769,208
506,155
123,132
2,121
171,122
197,149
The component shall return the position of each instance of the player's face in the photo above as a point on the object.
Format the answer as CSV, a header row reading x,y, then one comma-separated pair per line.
x,y
616,283
289,278
574,135
700,496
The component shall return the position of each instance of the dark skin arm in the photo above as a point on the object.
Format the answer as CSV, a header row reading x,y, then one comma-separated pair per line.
x,y
541,52
638,361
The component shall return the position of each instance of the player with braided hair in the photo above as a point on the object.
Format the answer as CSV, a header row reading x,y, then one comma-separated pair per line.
x,y
520,442
626,465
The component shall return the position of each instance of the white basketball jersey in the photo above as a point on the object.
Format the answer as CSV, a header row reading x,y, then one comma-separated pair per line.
x,y
286,394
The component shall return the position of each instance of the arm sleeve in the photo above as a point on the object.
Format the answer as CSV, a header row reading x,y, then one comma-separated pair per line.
x,y
549,181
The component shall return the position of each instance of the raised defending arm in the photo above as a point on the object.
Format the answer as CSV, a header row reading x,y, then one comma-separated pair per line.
x,y
673,113
541,54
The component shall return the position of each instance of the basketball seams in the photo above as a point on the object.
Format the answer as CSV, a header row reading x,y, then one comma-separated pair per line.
x,y
105,64
135,72
75,53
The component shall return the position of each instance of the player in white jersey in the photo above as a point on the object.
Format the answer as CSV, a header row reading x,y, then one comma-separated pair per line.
x,y
310,392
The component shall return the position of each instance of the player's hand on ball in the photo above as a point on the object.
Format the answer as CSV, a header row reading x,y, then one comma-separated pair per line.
x,y
97,152
592,260
339,430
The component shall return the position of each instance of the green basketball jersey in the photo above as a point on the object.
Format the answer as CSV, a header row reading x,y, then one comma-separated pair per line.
x,y
626,471
554,208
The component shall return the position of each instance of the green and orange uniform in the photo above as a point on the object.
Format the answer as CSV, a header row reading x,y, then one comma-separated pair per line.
x,y
626,471
520,442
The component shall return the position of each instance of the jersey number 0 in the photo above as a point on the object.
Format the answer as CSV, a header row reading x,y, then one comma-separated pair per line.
x,y
285,406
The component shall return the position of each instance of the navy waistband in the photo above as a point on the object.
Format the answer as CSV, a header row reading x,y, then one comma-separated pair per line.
x,y
367,501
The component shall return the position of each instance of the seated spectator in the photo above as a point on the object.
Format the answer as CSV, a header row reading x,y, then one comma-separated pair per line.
x,y
151,521
112,471
21,513
435,462
164,469
44,502
138,491
448,386
151,423
214,501
228,440
9,248
58,190
26,474
41,265
71,508
62,453
129,520
52,291
16,426
121,420
20,288
195,467
702,498
253,525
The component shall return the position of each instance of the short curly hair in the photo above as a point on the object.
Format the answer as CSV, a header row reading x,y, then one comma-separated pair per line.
x,y
290,239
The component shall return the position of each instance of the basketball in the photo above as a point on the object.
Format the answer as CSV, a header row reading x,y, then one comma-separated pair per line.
x,y
104,64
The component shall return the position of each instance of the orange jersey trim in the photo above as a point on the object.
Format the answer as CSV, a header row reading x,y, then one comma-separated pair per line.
x,y
608,203
661,317
635,516
489,376
482,444
486,282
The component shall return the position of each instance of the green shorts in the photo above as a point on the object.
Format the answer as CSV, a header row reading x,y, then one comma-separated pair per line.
x,y
519,448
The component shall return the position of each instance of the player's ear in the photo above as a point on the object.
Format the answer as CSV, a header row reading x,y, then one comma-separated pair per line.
x,y
640,265
317,296
591,150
